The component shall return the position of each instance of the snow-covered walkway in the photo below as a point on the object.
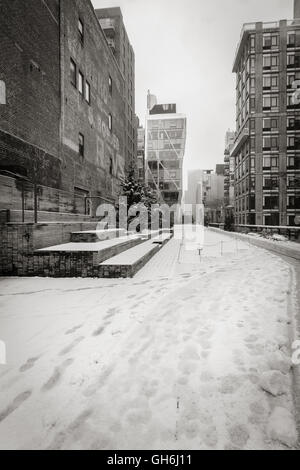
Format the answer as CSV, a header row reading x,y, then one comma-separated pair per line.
x,y
180,357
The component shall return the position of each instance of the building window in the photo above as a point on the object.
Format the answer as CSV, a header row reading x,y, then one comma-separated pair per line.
x,y
270,41
293,142
293,60
270,102
271,202
81,144
270,143
270,61
267,82
270,81
81,30
291,40
88,92
270,162
271,182
110,122
272,219
270,124
252,42
73,73
80,82
290,60
252,104
110,85
292,182
290,162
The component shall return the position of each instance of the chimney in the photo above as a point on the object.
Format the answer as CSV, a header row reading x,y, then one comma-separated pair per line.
x,y
296,9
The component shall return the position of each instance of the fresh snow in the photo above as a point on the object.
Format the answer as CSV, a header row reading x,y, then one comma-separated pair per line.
x,y
281,427
91,246
171,359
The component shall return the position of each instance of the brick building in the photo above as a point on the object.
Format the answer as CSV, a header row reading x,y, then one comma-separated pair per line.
x,y
112,23
267,147
62,107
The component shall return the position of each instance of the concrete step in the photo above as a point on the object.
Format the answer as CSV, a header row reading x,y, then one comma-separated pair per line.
x,y
128,263
80,259
92,236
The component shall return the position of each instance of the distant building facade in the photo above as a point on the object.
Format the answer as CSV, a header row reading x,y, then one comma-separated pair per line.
x,y
267,146
63,122
112,23
165,149
141,154
207,187
229,170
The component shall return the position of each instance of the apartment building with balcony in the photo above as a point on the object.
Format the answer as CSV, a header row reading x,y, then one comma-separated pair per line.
x,y
266,151
165,149
112,24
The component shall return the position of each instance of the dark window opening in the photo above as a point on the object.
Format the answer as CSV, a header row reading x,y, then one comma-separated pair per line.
x,y
88,92
81,144
80,83
73,74
81,30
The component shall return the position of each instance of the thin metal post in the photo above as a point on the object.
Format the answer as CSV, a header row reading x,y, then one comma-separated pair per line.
x,y
35,196
23,203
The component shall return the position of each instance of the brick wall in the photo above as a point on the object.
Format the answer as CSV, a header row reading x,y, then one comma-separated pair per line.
x,y
30,68
18,243
102,166
44,113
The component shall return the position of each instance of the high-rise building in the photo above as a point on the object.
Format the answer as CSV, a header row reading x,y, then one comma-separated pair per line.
x,y
141,154
267,147
111,20
229,170
165,148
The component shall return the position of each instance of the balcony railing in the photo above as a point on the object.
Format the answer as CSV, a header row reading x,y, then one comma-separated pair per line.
x,y
241,138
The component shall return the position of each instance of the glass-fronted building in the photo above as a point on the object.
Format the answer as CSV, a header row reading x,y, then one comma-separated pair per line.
x,y
165,148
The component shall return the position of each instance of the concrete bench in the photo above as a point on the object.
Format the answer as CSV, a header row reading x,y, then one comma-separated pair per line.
x,y
128,263
80,259
162,239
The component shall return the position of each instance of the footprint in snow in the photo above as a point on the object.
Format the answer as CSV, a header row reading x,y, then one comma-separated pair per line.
x,y
29,364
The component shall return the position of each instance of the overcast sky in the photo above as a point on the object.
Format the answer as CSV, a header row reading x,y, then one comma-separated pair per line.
x,y
184,52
